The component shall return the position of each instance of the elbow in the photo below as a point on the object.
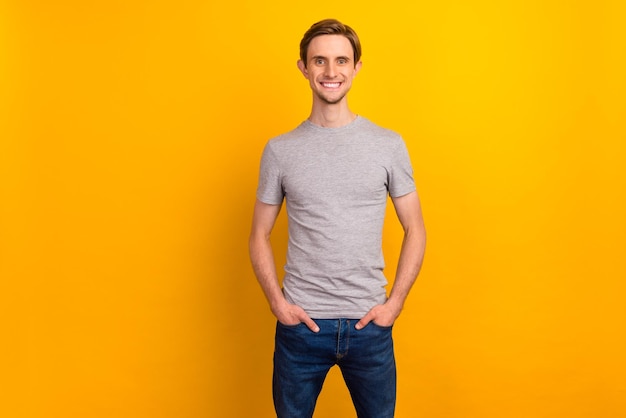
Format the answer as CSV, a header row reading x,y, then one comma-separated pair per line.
x,y
256,240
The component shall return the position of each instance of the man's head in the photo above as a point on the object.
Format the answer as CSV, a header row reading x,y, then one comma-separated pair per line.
x,y
330,27
330,59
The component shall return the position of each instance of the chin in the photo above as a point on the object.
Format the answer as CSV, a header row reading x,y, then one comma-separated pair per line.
x,y
332,101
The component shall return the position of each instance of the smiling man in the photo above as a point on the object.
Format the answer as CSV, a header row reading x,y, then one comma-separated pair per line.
x,y
335,171
329,72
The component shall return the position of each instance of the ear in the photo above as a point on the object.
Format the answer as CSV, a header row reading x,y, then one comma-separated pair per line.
x,y
357,68
303,69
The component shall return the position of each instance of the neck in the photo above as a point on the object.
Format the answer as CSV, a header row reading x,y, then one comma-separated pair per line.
x,y
331,115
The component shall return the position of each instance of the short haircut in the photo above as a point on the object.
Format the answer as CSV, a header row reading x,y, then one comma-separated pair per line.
x,y
330,27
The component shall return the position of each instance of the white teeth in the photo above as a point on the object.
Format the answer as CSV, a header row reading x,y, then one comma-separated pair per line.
x,y
331,85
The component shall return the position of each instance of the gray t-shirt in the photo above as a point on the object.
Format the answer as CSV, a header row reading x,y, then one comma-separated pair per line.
x,y
335,182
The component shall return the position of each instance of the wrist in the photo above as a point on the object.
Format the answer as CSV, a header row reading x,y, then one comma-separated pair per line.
x,y
394,304
278,305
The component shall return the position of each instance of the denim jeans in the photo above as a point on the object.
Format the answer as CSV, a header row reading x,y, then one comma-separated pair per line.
x,y
365,357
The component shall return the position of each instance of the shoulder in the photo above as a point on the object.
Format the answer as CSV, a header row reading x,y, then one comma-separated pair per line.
x,y
381,133
290,136
284,144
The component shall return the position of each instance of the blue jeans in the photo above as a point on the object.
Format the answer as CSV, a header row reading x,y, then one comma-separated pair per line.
x,y
365,357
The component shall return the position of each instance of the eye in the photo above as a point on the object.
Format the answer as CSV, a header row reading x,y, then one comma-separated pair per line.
x,y
342,61
319,61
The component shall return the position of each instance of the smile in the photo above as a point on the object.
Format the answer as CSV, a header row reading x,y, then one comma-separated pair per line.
x,y
329,85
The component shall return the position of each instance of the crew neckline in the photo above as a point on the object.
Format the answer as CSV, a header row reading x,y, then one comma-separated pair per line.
x,y
310,124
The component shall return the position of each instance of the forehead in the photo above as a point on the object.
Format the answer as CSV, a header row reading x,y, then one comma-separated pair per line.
x,y
330,46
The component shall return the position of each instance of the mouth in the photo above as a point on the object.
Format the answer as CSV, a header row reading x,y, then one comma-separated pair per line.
x,y
330,85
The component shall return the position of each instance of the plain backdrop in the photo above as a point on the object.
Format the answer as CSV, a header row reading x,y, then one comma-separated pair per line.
x,y
130,138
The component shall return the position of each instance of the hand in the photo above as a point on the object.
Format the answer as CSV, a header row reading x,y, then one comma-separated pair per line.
x,y
288,314
382,315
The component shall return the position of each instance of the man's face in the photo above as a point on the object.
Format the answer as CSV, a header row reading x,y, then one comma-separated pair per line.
x,y
330,67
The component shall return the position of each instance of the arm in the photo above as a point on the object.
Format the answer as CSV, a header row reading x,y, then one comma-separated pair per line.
x,y
262,258
409,214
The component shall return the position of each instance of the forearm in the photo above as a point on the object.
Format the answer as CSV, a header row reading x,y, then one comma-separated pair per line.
x,y
409,266
262,258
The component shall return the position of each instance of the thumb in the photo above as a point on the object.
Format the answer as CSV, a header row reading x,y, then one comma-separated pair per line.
x,y
310,323
364,321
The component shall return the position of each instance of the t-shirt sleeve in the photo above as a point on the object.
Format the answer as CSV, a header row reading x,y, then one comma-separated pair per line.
x,y
400,171
270,188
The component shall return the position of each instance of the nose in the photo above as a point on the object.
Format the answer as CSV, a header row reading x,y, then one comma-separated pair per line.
x,y
331,70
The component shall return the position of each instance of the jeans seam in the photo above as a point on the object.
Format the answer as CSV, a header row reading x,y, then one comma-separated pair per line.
x,y
347,337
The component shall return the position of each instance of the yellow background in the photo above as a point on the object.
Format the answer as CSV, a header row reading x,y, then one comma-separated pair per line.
x,y
130,138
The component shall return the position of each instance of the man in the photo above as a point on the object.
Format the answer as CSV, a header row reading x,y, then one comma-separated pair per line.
x,y
335,171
